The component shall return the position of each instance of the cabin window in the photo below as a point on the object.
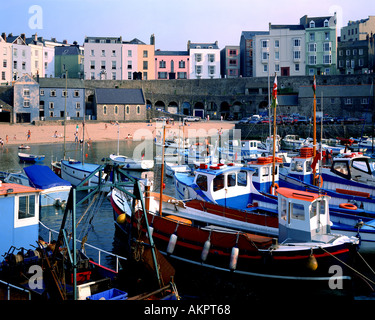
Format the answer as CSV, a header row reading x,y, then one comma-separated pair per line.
x,y
265,171
26,207
231,180
298,211
308,166
360,165
256,172
242,178
284,209
297,166
202,182
340,167
218,182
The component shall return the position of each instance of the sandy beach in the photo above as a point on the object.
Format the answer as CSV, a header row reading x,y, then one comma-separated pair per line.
x,y
18,133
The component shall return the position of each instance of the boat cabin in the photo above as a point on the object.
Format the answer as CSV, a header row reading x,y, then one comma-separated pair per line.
x,y
227,185
262,177
300,166
19,216
303,216
354,166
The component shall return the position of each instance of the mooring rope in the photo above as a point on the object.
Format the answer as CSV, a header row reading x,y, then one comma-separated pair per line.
x,y
348,266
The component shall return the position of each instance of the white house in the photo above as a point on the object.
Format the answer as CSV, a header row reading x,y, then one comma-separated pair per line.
x,y
281,51
204,60
6,61
102,58
21,56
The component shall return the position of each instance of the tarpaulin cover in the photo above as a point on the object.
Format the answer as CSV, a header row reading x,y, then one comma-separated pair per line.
x,y
42,177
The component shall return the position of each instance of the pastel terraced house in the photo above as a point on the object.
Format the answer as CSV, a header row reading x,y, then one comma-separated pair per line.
x,y
170,65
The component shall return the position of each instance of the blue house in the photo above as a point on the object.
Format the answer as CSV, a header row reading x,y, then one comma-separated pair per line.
x,y
57,94
25,100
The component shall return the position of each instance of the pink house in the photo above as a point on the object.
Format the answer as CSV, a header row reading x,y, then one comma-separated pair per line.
x,y
171,65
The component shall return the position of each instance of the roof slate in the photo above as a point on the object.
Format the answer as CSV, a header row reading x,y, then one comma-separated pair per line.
x,y
119,96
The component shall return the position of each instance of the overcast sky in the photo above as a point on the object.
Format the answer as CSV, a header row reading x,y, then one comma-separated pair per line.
x,y
173,22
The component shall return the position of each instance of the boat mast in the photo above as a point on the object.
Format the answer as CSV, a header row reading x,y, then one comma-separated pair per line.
x,y
66,94
314,128
274,95
162,172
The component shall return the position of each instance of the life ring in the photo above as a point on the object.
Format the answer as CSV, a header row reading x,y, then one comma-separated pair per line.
x,y
349,206
276,186
319,177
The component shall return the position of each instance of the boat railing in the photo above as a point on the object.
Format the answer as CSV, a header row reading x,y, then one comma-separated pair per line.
x,y
99,251
9,286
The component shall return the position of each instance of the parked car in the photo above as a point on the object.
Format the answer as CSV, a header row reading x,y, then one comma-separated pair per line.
x,y
192,119
302,120
244,120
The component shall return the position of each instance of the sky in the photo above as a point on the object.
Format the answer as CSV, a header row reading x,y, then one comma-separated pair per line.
x,y
173,22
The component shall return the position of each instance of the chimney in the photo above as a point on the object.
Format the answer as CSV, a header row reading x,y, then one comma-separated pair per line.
x,y
152,39
23,36
65,42
35,37
4,36
188,45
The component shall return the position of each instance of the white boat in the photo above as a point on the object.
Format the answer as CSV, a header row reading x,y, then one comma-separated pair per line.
x,y
292,142
132,164
171,168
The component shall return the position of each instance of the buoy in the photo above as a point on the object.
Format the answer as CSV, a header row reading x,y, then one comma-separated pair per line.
x,y
312,264
171,243
206,250
349,206
163,185
86,155
233,258
121,218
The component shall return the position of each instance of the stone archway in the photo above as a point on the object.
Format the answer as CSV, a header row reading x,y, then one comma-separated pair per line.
x,y
224,110
172,107
160,105
186,108
198,110
237,111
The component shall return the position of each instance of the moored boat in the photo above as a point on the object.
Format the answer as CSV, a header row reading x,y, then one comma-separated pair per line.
x,y
30,158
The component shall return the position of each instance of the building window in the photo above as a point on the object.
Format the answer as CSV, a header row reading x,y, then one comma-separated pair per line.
x,y
277,55
162,75
348,52
211,70
26,92
198,57
104,110
360,62
277,43
51,105
127,109
52,93
365,101
78,105
145,53
103,53
116,110
312,24
360,52
26,104
145,65
277,67
113,65
312,59
312,47
76,93
113,53
297,55
265,68
326,23
113,75
92,53
326,36
92,64
102,64
41,92
64,93
312,36
296,67
181,64
327,46
211,58
264,43
129,75
92,75
181,75
348,101
138,110
129,53
327,59
162,64
297,42
198,69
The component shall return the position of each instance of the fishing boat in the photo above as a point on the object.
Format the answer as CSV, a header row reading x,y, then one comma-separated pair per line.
x,y
303,235
23,147
30,158
131,163
292,142
349,181
171,168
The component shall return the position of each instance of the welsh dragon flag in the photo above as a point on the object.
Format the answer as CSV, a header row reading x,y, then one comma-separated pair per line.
x,y
274,92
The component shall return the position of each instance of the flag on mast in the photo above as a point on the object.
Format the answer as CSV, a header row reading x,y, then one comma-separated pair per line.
x,y
314,85
274,92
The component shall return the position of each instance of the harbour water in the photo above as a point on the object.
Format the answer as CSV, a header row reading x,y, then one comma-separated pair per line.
x,y
192,283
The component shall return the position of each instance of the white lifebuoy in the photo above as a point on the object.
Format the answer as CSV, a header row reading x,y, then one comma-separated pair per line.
x,y
171,243
206,250
233,258
150,231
